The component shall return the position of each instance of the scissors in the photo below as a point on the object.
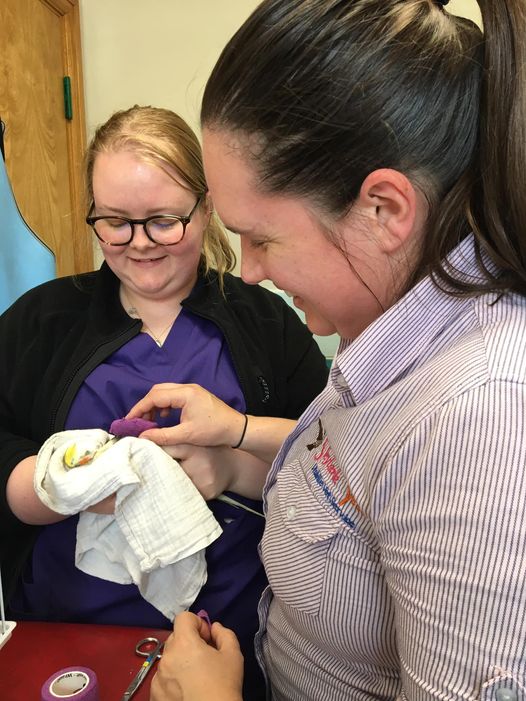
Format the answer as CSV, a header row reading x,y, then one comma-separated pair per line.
x,y
152,649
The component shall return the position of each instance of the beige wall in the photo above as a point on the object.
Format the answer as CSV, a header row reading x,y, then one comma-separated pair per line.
x,y
465,8
158,52
161,52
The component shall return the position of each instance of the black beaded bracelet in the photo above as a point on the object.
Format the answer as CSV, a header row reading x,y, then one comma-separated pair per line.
x,y
242,434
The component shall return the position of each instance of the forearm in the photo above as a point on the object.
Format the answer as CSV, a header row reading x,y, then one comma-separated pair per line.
x,y
248,474
265,435
22,498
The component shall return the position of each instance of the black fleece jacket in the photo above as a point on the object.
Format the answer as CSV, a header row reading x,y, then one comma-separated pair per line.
x,y
57,333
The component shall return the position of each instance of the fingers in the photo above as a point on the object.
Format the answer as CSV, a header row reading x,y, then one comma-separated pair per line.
x,y
162,396
205,420
224,639
171,435
192,665
187,625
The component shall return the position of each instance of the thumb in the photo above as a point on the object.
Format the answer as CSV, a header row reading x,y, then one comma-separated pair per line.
x,y
224,639
172,435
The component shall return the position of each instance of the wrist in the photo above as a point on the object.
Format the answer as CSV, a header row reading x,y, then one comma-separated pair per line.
x,y
242,433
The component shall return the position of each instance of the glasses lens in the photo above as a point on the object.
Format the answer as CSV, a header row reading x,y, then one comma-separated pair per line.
x,y
113,230
165,230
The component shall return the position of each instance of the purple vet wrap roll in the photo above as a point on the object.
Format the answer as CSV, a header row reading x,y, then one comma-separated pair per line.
x,y
205,617
77,683
131,427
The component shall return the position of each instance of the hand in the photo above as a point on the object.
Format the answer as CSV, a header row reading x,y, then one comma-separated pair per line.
x,y
199,663
210,469
205,419
105,506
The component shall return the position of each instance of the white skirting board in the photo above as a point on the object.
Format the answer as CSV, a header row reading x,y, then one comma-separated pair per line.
x,y
8,629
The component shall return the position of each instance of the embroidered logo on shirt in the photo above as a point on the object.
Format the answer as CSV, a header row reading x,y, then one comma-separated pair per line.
x,y
330,498
349,496
319,439
326,466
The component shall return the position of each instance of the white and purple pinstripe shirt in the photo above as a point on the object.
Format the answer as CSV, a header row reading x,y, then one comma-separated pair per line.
x,y
395,543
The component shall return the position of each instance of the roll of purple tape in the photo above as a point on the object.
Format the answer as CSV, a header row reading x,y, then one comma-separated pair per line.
x,y
76,683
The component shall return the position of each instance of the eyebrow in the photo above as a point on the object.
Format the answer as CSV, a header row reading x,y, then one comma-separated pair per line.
x,y
124,213
238,230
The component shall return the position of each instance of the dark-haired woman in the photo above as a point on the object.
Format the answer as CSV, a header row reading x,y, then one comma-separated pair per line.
x,y
370,153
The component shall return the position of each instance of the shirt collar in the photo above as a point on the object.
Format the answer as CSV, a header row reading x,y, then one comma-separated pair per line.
x,y
401,337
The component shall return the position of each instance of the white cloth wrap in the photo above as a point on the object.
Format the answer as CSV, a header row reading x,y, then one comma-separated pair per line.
x,y
161,524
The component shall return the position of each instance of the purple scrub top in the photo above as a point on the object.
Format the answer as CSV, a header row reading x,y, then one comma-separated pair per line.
x,y
53,589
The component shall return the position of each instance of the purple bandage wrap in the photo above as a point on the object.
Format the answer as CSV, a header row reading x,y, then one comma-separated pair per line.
x,y
130,427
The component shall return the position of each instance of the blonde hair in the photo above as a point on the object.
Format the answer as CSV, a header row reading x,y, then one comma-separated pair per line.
x,y
161,137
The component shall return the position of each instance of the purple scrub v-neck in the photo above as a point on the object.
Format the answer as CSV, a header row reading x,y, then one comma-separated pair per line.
x,y
194,351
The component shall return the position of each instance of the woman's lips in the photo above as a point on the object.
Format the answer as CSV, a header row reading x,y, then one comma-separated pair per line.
x,y
296,301
147,261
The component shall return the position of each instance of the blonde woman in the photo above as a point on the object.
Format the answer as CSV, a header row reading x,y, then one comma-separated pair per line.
x,y
164,307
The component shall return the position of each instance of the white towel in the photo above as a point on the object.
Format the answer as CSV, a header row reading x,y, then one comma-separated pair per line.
x,y
161,525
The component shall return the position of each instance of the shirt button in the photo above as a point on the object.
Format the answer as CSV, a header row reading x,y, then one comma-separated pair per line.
x,y
291,514
504,694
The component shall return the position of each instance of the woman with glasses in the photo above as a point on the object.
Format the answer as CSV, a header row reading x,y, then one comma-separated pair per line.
x,y
78,352
371,156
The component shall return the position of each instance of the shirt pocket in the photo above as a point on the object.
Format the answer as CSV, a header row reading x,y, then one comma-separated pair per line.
x,y
297,539
504,686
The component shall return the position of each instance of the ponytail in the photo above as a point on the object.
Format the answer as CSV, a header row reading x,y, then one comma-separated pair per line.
x,y
498,202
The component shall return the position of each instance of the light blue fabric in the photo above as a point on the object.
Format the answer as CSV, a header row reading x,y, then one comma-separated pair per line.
x,y
25,261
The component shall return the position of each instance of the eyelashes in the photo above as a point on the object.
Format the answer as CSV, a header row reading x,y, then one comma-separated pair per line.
x,y
258,244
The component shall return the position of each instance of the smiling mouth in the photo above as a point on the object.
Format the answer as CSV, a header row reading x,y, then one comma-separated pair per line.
x,y
147,260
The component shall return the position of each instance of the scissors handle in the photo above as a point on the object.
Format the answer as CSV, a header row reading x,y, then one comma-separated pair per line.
x,y
145,667
149,644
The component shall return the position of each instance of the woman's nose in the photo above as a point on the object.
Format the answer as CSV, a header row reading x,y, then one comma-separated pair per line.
x,y
140,239
251,269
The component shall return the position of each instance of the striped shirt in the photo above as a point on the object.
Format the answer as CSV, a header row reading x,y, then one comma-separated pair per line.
x,y
395,543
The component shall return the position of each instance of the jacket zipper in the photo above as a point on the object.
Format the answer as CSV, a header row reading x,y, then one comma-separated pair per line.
x,y
81,371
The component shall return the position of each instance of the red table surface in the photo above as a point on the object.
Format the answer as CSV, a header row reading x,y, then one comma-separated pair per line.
x,y
35,651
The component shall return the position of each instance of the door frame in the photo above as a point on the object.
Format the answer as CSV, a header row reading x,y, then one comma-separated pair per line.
x,y
69,13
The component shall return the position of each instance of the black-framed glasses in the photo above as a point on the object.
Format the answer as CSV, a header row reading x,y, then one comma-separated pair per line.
x,y
162,229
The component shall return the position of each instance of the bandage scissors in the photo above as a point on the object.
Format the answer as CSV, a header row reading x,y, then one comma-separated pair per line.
x,y
152,649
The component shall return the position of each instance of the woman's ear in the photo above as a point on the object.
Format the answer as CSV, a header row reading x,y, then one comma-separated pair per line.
x,y
394,207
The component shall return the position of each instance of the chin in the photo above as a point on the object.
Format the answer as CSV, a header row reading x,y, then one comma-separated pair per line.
x,y
320,327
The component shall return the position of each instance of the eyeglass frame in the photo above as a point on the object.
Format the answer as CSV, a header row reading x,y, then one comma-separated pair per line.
x,y
185,220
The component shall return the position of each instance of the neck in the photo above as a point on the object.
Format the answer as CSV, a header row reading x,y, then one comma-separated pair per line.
x,y
157,316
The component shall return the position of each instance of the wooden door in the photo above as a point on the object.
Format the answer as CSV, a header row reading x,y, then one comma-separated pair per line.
x,y
39,45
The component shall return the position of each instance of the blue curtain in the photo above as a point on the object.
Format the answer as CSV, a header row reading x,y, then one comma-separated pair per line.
x,y
25,261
